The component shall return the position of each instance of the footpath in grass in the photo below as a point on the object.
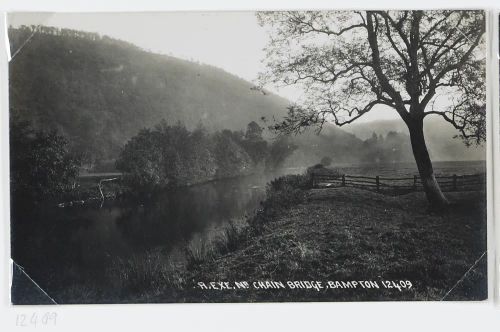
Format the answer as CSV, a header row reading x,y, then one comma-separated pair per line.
x,y
348,234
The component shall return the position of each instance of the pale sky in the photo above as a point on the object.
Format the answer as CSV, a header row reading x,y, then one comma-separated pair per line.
x,y
232,41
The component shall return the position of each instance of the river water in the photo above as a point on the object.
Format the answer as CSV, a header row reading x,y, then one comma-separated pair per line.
x,y
81,241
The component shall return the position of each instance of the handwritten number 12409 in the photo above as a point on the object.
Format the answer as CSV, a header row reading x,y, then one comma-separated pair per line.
x,y
34,319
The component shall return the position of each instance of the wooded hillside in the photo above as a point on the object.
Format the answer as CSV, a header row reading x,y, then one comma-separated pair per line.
x,y
99,92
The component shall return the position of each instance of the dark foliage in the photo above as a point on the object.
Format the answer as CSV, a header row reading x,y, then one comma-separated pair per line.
x,y
254,144
320,169
326,161
281,193
172,155
281,148
41,166
394,147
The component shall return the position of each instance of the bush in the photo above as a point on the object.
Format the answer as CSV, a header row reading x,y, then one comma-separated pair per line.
x,y
281,193
41,165
229,239
326,161
320,169
286,191
286,182
198,252
146,273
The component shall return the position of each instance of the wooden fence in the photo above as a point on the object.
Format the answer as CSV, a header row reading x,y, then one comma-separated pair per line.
x,y
398,185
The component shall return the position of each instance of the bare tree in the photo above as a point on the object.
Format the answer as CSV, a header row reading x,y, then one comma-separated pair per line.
x,y
418,63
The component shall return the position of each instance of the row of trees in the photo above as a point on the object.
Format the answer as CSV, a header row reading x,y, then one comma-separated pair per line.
x,y
44,167
27,30
172,155
394,147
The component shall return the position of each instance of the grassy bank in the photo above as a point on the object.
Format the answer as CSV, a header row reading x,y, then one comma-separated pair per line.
x,y
341,234
350,234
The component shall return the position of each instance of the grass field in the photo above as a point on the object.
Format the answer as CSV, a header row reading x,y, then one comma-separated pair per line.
x,y
349,234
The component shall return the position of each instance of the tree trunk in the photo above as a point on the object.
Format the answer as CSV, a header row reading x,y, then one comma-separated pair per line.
x,y
431,187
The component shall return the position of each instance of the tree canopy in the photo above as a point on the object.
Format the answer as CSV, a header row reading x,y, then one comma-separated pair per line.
x,y
349,63
352,62
173,155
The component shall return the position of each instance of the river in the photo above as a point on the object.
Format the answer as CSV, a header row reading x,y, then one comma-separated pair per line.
x,y
80,242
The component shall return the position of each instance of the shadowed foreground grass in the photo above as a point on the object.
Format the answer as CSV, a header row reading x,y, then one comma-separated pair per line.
x,y
349,234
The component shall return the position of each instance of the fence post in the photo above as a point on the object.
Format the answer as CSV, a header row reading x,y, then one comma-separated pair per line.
x,y
414,182
343,180
454,182
377,179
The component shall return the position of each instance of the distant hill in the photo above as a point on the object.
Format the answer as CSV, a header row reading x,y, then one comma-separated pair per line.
x,y
439,136
99,91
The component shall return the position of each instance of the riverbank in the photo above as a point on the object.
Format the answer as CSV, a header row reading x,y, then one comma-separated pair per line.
x,y
348,234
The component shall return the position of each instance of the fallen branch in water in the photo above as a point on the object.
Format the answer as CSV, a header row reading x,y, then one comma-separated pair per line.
x,y
100,187
88,199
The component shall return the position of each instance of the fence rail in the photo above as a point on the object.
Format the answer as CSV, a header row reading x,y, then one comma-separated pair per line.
x,y
465,182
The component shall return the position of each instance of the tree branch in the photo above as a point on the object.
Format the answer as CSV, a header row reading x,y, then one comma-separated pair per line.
x,y
384,82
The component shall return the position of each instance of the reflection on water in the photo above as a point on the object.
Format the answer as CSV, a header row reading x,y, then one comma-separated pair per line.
x,y
84,240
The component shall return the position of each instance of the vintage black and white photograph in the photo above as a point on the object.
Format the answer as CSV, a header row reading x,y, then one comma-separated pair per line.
x,y
285,156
